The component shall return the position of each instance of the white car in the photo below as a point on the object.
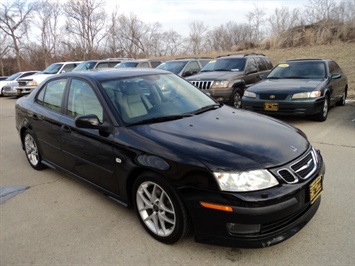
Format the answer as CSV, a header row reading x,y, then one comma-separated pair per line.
x,y
26,85
12,80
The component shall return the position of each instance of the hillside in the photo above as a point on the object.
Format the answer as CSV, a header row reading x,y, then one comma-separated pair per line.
x,y
342,53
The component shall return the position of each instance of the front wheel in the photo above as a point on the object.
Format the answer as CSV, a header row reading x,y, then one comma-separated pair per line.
x,y
236,100
32,152
159,208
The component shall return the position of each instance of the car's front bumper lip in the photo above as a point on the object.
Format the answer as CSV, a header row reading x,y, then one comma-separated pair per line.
x,y
290,107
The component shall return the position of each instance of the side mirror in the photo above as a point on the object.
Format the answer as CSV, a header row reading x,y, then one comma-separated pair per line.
x,y
261,77
91,121
335,76
187,73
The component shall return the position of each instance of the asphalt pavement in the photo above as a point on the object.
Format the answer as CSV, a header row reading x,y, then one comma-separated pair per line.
x,y
56,220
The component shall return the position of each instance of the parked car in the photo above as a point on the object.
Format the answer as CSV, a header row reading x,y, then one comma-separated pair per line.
x,y
140,63
300,87
148,139
3,77
26,85
11,81
226,77
184,67
98,64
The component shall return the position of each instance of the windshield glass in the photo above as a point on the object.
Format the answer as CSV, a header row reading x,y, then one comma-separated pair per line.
x,y
52,69
226,64
298,70
85,66
13,77
157,98
126,64
173,66
209,66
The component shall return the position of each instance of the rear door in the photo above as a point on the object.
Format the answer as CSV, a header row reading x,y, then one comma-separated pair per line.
x,y
46,120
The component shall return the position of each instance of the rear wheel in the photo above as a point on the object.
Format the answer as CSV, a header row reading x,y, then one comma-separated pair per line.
x,y
32,152
159,208
323,114
341,102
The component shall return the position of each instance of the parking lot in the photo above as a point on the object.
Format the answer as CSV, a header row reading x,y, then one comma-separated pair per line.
x,y
60,221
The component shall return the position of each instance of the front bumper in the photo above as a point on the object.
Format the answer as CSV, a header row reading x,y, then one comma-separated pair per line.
x,y
24,90
9,91
259,219
302,107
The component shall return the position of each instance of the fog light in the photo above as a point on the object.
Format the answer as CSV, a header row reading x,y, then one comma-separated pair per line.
x,y
242,229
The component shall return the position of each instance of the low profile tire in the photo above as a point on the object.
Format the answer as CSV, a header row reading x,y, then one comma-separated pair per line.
x,y
341,102
323,114
236,100
159,208
32,152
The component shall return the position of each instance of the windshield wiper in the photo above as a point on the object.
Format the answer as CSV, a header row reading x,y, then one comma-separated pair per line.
x,y
295,77
222,69
159,119
207,108
273,78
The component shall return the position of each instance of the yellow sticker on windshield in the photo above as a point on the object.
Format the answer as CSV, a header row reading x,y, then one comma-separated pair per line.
x,y
283,65
212,61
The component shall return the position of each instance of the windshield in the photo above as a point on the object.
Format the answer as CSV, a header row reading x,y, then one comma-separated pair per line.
x,y
155,98
126,64
209,66
13,77
298,70
53,69
85,66
173,66
230,64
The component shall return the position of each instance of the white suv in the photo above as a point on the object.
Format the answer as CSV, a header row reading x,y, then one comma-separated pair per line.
x,y
26,85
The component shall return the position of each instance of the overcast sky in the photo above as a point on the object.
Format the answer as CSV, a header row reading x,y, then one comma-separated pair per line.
x,y
178,14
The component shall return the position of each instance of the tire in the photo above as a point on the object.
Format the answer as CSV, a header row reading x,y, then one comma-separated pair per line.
x,y
32,153
341,102
236,100
323,114
159,208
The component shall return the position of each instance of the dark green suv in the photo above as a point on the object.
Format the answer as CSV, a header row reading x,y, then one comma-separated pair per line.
x,y
226,77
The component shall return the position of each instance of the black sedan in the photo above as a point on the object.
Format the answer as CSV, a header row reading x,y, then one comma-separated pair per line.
x,y
150,140
302,87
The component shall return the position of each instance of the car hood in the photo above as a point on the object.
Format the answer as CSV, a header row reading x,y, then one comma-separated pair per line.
x,y
214,75
4,82
225,139
286,85
37,77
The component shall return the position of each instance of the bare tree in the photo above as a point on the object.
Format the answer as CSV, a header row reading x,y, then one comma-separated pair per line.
x,y
15,17
320,10
48,22
198,31
255,20
85,22
4,48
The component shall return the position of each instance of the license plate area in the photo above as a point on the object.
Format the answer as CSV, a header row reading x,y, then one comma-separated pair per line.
x,y
315,189
268,106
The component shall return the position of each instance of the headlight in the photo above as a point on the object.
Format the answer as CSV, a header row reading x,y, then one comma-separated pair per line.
x,y
306,95
245,181
220,84
250,94
32,83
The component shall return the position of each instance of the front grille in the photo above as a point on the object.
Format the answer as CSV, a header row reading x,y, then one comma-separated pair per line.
x,y
271,227
300,170
268,96
202,85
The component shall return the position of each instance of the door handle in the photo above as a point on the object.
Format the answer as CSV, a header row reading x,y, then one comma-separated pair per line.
x,y
66,129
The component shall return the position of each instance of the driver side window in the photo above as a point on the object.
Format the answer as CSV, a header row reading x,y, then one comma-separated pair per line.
x,y
83,100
